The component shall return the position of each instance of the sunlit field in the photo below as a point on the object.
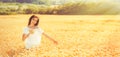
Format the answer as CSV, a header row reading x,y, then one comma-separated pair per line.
x,y
77,35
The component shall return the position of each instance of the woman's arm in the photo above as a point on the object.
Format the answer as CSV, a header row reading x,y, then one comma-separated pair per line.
x,y
50,38
24,36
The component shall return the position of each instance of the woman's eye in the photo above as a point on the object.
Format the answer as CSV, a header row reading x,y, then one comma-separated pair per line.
x,y
34,20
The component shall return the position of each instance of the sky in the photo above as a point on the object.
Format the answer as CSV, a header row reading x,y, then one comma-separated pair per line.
x,y
85,1
111,1
103,0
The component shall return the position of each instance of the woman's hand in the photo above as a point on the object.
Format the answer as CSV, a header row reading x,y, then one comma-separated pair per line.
x,y
31,31
55,42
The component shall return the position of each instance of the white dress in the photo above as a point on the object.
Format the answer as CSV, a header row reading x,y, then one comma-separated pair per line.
x,y
33,40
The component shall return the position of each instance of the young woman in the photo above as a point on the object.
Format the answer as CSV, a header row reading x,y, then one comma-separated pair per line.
x,y
32,33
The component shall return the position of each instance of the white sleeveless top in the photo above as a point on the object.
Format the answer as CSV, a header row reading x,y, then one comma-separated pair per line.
x,y
33,40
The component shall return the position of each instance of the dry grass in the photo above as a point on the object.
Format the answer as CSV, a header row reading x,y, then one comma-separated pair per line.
x,y
78,36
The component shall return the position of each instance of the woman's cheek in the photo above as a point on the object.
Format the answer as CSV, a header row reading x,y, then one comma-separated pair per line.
x,y
35,22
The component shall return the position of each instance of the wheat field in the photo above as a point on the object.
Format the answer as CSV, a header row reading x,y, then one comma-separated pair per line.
x,y
77,35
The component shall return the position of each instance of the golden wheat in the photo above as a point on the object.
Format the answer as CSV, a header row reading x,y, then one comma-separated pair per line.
x,y
78,36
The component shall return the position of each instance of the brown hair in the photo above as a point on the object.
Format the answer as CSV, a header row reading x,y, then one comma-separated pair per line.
x,y
33,16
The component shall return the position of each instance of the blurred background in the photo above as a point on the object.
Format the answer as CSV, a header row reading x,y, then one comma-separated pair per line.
x,y
60,7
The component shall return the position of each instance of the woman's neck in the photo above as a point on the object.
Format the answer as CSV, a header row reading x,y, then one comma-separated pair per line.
x,y
31,26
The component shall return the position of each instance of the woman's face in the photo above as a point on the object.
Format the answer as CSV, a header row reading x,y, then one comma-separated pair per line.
x,y
34,21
